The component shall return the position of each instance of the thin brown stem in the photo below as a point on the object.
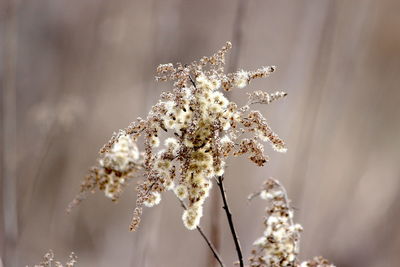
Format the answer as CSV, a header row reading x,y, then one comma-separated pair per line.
x,y
230,221
210,245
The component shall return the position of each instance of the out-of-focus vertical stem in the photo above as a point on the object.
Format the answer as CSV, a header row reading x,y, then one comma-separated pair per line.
x,y
9,140
314,96
237,34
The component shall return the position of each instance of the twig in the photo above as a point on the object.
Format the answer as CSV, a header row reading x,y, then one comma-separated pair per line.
x,y
192,81
230,221
210,245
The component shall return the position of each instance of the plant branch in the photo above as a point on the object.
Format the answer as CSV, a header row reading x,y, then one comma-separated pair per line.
x,y
230,221
210,245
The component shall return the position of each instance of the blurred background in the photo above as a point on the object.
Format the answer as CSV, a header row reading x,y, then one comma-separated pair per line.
x,y
72,72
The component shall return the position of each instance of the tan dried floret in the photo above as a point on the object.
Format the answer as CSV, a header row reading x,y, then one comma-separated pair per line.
x,y
255,149
317,262
258,124
261,97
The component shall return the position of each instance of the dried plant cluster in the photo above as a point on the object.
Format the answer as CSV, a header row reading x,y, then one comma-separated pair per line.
x,y
187,137
49,261
279,245
204,127
114,170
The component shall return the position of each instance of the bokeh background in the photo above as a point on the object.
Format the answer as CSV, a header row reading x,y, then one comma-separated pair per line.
x,y
72,72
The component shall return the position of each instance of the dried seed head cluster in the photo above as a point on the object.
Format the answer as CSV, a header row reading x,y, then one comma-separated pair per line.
x,y
114,169
261,97
204,128
48,261
317,262
279,245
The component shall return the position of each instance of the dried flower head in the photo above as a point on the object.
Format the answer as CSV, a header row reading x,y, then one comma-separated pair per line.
x,y
48,260
204,129
279,244
317,262
114,170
